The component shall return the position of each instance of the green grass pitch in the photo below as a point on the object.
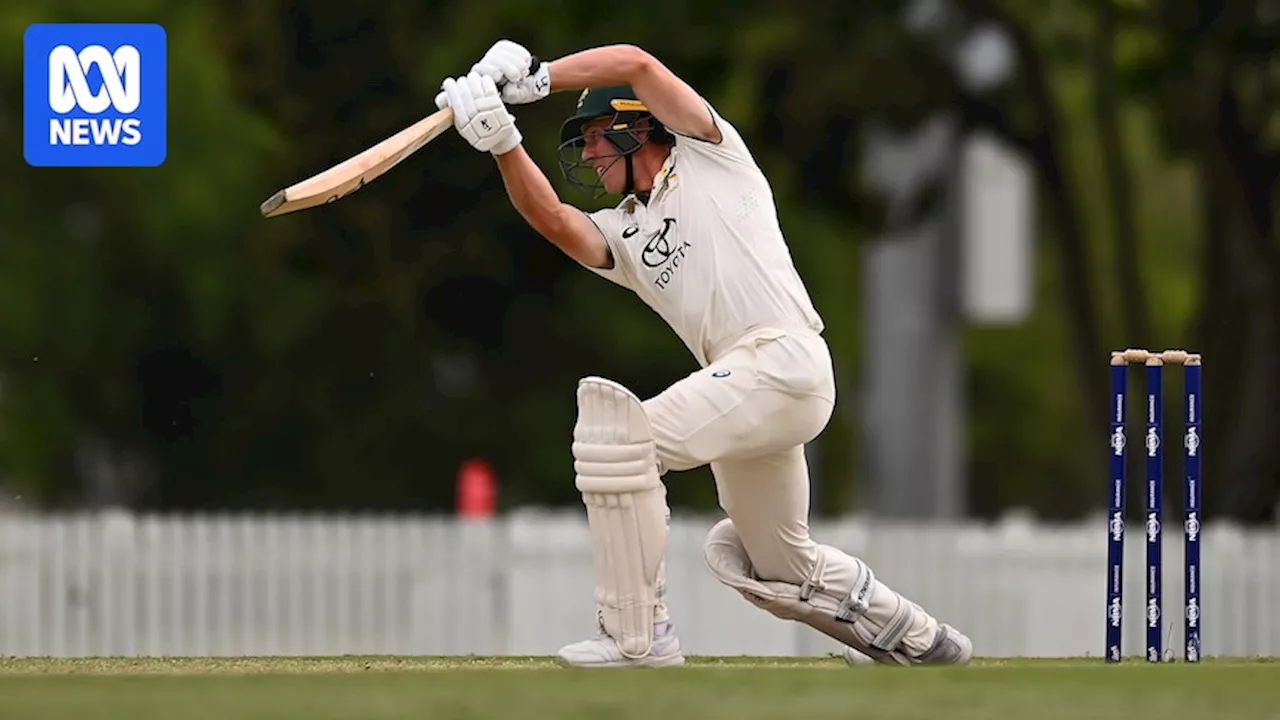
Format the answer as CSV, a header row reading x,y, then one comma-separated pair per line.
x,y
522,688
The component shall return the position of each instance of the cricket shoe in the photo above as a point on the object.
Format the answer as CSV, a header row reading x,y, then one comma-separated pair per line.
x,y
950,647
601,651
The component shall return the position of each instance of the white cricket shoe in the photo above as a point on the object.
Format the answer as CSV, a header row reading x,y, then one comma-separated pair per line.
x,y
601,651
855,658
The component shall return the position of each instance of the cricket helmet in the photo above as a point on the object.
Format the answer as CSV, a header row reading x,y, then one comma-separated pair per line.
x,y
620,104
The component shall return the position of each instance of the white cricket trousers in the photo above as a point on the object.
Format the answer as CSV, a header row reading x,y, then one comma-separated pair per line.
x,y
748,415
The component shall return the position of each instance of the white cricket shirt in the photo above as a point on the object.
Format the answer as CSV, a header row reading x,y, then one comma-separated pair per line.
x,y
707,253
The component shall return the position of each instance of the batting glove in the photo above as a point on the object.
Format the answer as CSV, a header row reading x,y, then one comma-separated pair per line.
x,y
521,78
479,115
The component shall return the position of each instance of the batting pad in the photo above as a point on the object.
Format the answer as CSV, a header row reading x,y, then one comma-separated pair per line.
x,y
617,473
860,612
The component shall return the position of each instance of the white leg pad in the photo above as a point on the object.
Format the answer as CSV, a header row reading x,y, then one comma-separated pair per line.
x,y
856,610
616,464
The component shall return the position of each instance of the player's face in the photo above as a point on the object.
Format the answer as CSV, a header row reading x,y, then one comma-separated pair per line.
x,y
603,157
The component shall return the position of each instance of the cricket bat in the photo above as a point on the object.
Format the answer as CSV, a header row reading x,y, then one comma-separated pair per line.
x,y
355,172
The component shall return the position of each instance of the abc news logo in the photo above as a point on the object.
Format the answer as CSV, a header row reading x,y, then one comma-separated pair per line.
x,y
121,90
95,95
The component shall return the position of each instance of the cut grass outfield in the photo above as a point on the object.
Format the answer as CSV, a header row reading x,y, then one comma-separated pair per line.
x,y
388,688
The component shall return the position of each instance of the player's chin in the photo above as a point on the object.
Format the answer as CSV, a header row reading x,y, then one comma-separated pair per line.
x,y
612,181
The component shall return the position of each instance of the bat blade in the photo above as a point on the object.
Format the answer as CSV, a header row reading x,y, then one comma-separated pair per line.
x,y
359,170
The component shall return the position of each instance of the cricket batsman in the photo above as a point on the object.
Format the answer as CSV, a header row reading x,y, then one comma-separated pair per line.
x,y
696,236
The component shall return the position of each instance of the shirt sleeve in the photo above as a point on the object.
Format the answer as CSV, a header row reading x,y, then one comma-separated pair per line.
x,y
610,223
730,151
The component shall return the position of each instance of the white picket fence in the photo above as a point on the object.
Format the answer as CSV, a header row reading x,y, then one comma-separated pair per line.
x,y
121,585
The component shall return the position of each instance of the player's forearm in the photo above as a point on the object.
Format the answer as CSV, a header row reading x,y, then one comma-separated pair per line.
x,y
598,67
529,189
563,225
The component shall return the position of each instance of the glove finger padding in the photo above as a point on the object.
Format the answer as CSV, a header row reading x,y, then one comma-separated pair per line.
x,y
489,70
514,67
500,70
460,99
511,59
442,99
490,115
479,114
518,75
850,618
475,85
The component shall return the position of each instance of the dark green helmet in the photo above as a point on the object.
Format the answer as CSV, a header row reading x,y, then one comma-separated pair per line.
x,y
620,104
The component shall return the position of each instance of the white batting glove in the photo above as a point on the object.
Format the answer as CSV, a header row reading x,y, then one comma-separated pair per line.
x,y
521,78
506,60
532,88
479,115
